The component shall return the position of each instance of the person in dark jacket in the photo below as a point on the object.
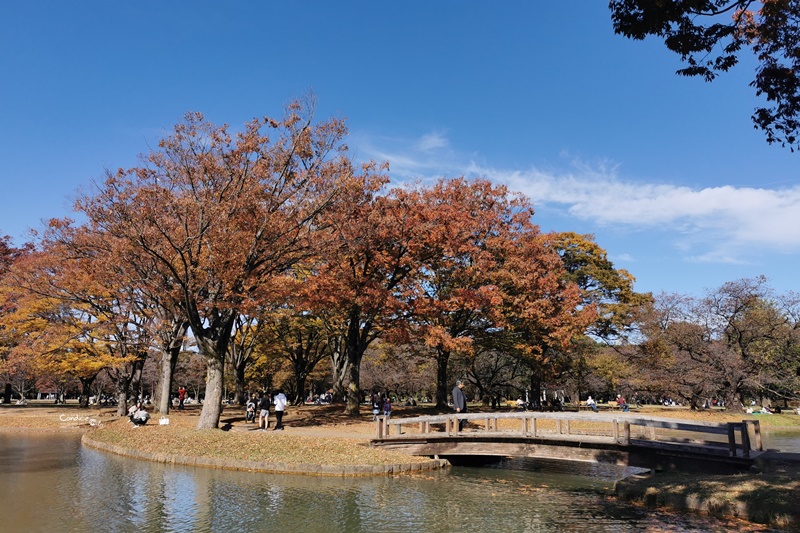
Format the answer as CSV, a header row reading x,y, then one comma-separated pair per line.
x,y
459,401
263,411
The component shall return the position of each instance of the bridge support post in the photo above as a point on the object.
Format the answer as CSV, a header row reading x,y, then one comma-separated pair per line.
x,y
756,433
379,427
745,440
627,433
732,439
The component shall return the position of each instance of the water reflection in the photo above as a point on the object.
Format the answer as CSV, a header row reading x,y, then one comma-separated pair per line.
x,y
51,483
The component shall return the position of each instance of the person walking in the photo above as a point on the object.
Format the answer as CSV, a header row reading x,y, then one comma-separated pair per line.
x,y
280,407
387,407
181,397
263,413
376,406
460,402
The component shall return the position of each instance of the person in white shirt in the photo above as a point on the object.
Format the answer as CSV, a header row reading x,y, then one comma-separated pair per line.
x,y
591,403
280,407
138,415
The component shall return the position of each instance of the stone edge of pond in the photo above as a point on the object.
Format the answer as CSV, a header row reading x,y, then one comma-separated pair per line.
x,y
635,489
268,468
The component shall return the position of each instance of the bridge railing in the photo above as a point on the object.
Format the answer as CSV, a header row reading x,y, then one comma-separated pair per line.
x,y
618,430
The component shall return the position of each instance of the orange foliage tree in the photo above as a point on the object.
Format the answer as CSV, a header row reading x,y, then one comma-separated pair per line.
x,y
361,285
55,331
456,295
223,217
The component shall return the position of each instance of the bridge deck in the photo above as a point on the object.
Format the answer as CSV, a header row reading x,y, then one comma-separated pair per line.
x,y
575,436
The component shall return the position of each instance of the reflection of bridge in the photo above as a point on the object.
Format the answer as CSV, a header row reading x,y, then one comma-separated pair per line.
x,y
656,443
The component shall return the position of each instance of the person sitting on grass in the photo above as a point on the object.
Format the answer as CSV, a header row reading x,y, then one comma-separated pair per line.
x,y
138,415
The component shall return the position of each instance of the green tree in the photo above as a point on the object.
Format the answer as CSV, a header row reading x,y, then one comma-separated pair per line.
x,y
608,289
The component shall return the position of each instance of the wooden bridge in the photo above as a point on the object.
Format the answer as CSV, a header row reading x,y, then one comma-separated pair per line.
x,y
629,440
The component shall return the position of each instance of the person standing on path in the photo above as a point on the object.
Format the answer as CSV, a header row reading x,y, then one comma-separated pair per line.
x,y
280,407
387,407
263,413
181,397
460,402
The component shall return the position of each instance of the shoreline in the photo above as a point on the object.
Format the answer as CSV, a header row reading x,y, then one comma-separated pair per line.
x,y
316,439
312,469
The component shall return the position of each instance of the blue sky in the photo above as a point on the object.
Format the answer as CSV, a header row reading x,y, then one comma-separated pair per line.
x,y
667,172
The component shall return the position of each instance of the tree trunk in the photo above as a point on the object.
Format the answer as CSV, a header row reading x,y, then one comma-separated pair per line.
x,y
241,397
162,394
136,379
122,383
7,393
300,388
122,401
212,404
86,389
170,350
442,359
353,392
733,404
212,342
356,345
339,364
536,391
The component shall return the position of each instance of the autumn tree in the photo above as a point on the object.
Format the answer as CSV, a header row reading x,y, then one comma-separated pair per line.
x,y
666,362
710,35
167,322
736,341
103,317
494,368
610,290
52,333
379,242
545,310
298,337
406,370
456,293
248,332
8,255
223,217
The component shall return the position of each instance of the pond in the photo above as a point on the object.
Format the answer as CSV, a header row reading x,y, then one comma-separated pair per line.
x,y
49,482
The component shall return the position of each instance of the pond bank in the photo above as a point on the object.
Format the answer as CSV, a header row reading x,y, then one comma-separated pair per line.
x,y
250,465
769,495
320,435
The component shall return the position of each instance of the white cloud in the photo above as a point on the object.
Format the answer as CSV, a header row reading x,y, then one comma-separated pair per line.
x,y
726,218
422,158
432,141
721,224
